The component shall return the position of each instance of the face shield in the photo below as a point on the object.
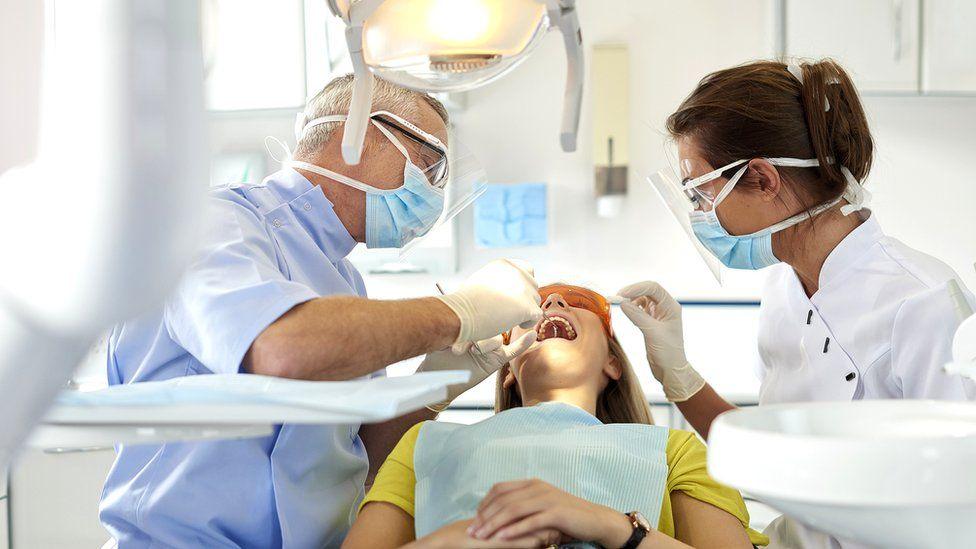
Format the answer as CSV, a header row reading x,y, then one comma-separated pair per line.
x,y
464,180
681,201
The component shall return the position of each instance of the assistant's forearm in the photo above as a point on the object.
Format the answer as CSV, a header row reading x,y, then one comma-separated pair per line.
x,y
702,408
339,338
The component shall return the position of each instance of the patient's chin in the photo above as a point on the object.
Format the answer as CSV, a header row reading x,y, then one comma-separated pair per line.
x,y
552,363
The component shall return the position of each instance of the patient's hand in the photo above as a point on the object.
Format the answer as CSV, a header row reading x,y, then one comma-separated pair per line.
x,y
514,509
455,536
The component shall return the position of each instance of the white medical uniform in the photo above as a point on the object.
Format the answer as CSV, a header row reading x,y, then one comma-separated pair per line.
x,y
879,326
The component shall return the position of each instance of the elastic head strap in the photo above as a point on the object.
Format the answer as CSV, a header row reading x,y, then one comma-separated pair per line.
x,y
710,176
301,126
300,131
785,162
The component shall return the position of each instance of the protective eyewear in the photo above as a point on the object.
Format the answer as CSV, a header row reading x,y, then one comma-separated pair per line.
x,y
700,196
579,298
432,155
698,190
432,152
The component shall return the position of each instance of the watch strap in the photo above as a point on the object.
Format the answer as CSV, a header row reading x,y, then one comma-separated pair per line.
x,y
637,536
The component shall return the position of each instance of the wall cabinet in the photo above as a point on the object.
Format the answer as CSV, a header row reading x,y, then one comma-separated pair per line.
x,y
949,53
876,40
889,46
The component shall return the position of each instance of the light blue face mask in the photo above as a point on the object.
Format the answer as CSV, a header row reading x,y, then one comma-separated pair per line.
x,y
751,251
394,217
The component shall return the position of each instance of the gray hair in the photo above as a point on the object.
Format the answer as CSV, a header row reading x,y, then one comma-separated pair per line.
x,y
336,96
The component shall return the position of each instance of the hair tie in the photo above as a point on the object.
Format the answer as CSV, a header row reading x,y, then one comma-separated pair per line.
x,y
855,193
796,71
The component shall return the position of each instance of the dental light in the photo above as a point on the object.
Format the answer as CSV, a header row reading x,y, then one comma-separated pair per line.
x,y
451,45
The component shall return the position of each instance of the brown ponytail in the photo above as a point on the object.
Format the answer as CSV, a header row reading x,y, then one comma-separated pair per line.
x,y
761,109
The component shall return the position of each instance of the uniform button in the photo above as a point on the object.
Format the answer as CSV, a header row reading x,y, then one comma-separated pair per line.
x,y
307,206
276,223
850,376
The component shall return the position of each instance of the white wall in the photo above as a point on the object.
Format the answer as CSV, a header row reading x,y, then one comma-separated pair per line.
x,y
923,179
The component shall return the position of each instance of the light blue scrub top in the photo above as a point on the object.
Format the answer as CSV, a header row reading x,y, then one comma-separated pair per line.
x,y
267,248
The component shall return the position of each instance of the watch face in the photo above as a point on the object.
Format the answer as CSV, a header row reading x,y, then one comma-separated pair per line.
x,y
641,521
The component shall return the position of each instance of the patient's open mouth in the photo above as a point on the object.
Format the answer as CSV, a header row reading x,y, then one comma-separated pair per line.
x,y
553,327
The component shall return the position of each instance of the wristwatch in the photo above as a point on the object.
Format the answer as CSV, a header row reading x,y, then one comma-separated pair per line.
x,y
641,529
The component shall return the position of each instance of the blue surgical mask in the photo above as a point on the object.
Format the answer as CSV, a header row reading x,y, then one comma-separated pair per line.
x,y
394,217
752,251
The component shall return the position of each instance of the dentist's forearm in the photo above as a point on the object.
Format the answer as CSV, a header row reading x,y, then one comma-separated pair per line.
x,y
701,409
340,338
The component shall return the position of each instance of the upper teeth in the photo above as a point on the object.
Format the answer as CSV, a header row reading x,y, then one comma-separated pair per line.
x,y
555,321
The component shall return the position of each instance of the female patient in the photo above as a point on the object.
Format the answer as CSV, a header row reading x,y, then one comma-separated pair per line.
x,y
571,452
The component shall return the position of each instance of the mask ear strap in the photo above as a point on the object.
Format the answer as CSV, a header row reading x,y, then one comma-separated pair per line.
x,y
728,186
270,141
396,142
368,189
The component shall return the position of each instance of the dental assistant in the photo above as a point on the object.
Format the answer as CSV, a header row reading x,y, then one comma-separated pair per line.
x,y
772,157
271,292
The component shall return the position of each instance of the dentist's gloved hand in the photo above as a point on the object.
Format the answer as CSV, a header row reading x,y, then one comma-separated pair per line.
x,y
481,360
658,316
496,297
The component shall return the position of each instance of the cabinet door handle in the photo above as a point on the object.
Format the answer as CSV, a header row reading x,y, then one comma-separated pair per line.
x,y
897,27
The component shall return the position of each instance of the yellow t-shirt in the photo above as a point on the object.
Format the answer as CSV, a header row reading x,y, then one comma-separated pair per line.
x,y
395,481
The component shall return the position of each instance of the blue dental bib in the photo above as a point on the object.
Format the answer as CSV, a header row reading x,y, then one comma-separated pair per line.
x,y
621,466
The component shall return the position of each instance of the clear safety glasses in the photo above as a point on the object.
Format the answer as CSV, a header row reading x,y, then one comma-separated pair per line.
x,y
579,298
702,191
430,154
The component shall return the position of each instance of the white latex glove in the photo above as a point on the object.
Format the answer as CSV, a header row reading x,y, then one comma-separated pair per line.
x,y
482,360
658,316
495,298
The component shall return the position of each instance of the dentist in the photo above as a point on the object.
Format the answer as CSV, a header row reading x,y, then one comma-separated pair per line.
x,y
271,292
772,158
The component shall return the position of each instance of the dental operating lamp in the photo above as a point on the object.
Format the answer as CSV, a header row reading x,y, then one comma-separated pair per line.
x,y
450,46
102,171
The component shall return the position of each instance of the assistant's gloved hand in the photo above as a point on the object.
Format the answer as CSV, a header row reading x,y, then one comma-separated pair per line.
x,y
495,298
658,316
481,360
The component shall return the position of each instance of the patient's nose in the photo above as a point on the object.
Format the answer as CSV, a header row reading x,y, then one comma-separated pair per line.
x,y
554,301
